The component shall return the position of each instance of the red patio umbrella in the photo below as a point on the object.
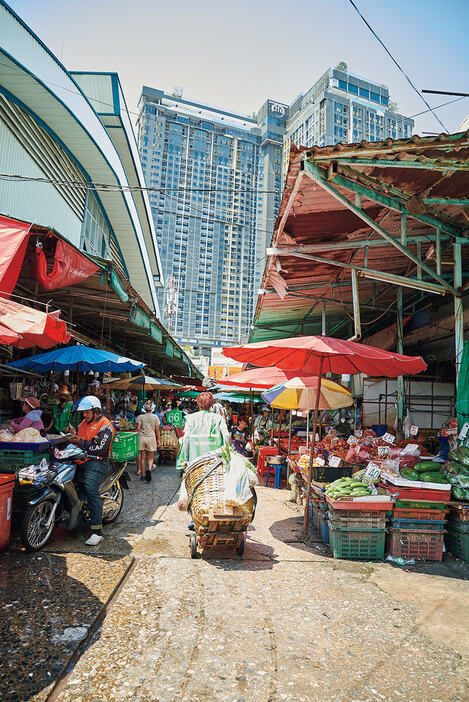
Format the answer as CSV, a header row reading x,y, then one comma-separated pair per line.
x,y
316,355
258,378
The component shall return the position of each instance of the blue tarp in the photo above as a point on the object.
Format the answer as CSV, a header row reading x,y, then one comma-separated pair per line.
x,y
68,357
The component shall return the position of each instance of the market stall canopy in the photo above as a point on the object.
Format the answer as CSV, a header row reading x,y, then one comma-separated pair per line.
x,y
322,354
188,394
82,358
258,378
142,382
7,336
29,327
237,397
301,394
14,236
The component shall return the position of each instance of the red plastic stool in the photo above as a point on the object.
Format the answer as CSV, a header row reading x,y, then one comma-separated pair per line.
x,y
261,464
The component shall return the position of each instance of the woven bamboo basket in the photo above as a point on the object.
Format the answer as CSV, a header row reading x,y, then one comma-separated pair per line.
x,y
169,440
210,494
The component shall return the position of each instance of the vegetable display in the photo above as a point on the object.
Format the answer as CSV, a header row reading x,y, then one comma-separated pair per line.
x,y
456,472
348,487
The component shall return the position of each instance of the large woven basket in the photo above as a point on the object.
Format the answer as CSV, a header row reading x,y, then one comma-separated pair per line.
x,y
169,440
210,492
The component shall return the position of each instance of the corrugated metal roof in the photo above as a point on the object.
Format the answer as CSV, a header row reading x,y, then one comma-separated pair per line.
x,y
313,220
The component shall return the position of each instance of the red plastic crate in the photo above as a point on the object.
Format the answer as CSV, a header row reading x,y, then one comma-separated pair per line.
x,y
421,545
410,493
461,513
359,505
409,513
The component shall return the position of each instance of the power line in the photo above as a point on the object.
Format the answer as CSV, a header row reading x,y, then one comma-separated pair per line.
x,y
398,65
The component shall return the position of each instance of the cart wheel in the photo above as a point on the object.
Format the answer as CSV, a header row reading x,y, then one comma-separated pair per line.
x,y
193,545
240,548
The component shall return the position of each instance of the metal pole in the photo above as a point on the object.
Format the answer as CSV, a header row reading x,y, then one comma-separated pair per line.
x,y
458,310
323,319
311,455
400,346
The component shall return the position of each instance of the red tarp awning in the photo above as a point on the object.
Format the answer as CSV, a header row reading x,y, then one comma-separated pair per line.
x,y
13,242
70,267
32,327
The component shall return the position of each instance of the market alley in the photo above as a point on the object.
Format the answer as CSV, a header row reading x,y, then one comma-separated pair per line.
x,y
286,622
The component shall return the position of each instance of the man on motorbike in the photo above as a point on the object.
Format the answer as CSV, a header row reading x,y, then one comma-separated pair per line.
x,y
95,435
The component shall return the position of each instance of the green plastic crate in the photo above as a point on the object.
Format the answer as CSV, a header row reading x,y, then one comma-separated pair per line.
x,y
366,545
124,446
413,504
457,543
11,460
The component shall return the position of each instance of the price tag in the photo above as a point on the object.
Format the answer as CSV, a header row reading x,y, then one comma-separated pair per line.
x,y
464,430
334,461
359,433
383,451
389,438
352,441
320,461
414,430
410,448
372,472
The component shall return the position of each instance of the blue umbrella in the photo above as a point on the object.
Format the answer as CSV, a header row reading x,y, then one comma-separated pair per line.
x,y
80,358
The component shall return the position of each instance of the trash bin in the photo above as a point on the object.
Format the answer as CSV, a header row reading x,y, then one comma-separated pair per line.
x,y
7,483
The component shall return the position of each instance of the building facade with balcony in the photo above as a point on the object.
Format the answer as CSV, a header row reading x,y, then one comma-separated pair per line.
x,y
215,179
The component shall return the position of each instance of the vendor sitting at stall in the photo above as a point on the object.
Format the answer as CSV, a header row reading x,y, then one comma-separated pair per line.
x,y
32,416
262,425
95,435
61,412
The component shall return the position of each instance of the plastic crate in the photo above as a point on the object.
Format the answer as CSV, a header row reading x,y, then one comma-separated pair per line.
x,y
421,545
355,514
316,516
10,460
415,514
377,520
366,545
459,512
419,524
124,446
421,504
457,543
421,494
324,528
458,524
325,474
310,510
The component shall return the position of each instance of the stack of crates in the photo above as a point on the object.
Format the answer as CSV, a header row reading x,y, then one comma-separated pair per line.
x,y
11,461
418,530
317,513
457,537
357,534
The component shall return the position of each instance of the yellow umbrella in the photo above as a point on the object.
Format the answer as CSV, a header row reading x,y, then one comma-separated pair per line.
x,y
300,394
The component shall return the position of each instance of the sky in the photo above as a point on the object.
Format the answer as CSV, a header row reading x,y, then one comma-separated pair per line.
x,y
235,55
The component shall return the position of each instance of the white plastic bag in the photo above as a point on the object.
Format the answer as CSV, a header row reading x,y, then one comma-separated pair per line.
x,y
238,481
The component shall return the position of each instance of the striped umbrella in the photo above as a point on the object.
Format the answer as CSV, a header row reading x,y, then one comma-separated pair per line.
x,y
301,394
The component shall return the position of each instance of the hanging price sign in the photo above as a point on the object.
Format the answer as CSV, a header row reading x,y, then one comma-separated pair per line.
x,y
414,430
320,461
334,461
352,441
464,430
389,438
383,451
372,472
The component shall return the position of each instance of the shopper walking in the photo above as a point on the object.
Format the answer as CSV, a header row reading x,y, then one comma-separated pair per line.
x,y
148,427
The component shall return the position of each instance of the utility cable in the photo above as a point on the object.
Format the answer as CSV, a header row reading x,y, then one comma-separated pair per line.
x,y
398,65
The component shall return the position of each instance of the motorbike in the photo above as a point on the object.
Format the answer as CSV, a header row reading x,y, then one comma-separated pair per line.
x,y
60,504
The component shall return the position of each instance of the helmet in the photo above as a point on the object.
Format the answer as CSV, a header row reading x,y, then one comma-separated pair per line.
x,y
88,402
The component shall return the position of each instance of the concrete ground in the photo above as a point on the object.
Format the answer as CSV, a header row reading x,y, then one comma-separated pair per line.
x,y
137,619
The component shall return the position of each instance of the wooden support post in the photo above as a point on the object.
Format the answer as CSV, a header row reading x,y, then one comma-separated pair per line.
x,y
438,251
